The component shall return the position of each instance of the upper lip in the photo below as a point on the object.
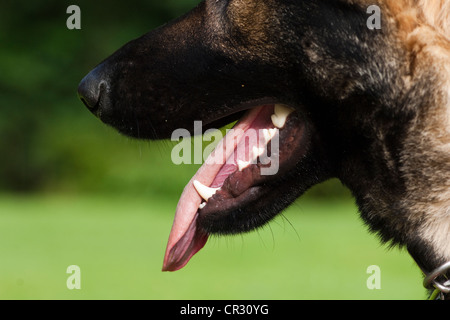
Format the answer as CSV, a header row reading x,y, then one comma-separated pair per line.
x,y
238,109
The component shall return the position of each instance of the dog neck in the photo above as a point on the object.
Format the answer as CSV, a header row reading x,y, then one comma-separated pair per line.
x,y
426,155
405,193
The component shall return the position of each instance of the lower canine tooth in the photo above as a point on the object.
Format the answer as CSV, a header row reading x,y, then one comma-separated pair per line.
x,y
280,116
257,152
269,134
243,164
205,192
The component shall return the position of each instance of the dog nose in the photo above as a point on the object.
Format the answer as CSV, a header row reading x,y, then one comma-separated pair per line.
x,y
91,89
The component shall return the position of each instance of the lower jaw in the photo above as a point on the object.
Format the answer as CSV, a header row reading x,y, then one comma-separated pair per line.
x,y
238,182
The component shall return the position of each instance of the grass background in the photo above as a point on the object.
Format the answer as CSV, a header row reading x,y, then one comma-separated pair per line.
x,y
319,250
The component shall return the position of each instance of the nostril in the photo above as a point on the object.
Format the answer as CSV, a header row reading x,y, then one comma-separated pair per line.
x,y
89,92
91,89
85,102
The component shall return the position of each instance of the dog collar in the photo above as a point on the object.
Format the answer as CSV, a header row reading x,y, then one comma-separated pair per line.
x,y
438,280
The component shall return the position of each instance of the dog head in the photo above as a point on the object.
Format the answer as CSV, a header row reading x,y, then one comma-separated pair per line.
x,y
370,107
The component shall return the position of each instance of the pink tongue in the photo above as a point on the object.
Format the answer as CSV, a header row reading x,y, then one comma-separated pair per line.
x,y
186,239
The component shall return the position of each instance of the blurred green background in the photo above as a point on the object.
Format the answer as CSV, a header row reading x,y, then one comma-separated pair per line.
x,y
75,192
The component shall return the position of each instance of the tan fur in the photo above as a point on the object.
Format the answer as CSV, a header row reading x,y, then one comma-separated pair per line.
x,y
437,14
410,14
424,29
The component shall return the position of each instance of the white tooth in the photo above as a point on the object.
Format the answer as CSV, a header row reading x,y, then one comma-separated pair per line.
x,y
277,122
243,164
281,109
269,134
257,152
280,116
201,206
205,192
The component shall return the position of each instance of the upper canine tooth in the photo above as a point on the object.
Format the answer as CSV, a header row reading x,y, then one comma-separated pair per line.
x,y
280,116
205,192
281,109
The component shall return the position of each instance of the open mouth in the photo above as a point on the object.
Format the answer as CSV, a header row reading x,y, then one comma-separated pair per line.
x,y
224,195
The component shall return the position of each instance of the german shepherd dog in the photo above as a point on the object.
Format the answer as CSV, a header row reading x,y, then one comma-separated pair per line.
x,y
369,107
